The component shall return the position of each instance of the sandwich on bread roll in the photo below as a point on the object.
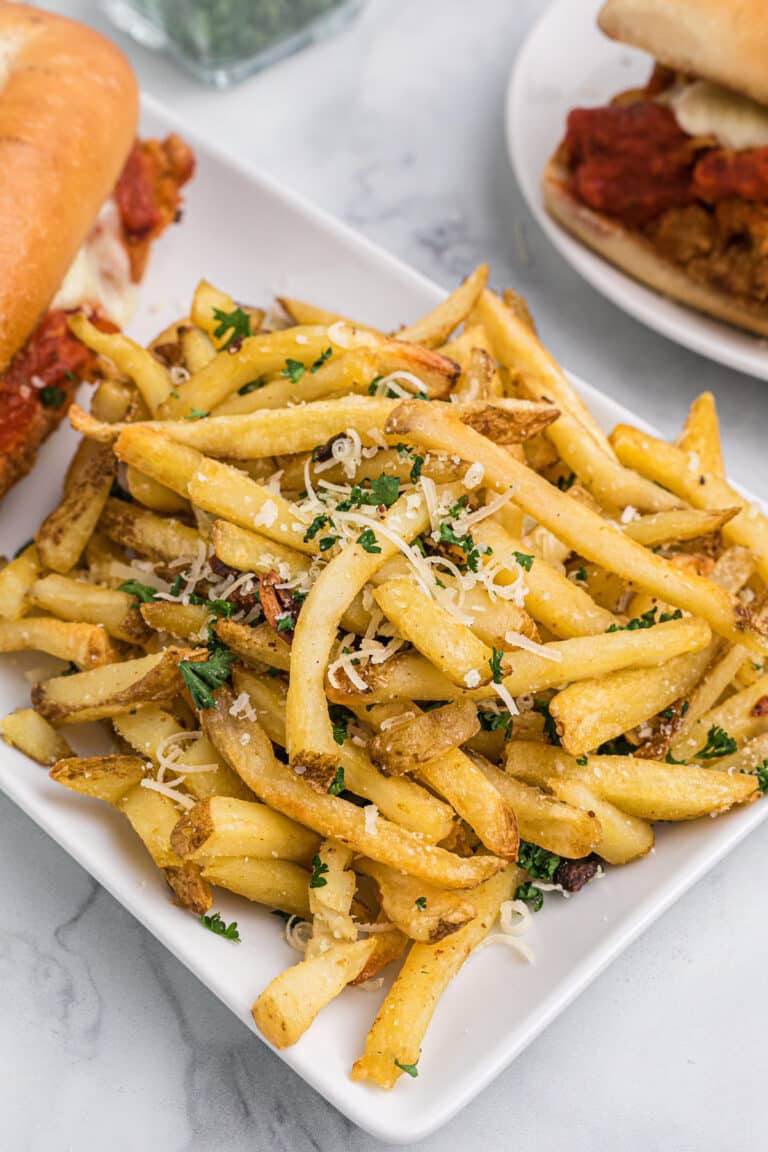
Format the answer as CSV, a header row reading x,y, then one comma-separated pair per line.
x,y
81,201
670,181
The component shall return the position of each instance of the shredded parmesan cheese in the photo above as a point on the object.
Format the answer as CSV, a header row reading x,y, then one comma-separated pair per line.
x,y
518,640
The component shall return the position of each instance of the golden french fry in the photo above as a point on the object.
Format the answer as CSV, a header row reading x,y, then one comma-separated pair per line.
x,y
647,789
63,535
159,537
113,689
507,421
157,457
435,328
186,621
189,887
149,375
554,825
87,645
423,736
700,437
107,778
728,660
259,645
677,524
16,579
379,839
224,826
394,1041
79,600
331,902
577,525
154,495
287,1007
206,302
35,737
421,911
671,467
623,837
741,716
278,884
349,372
251,552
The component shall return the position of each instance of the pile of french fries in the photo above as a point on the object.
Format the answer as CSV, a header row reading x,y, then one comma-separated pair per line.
x,y
372,617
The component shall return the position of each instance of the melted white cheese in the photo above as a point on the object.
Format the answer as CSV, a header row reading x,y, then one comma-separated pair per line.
x,y
101,273
704,109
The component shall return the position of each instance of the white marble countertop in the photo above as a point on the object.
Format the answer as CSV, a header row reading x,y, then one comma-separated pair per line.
x,y
107,1041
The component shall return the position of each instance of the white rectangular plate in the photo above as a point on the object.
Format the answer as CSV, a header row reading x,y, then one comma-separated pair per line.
x,y
254,239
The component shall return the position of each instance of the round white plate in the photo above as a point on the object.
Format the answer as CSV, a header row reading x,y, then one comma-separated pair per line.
x,y
566,62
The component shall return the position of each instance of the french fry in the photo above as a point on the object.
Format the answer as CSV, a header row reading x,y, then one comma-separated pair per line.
x,y
146,729
107,778
405,676
256,356
741,716
580,442
159,537
185,621
395,1040
197,348
421,911
578,526
259,645
643,788
671,467
435,328
149,375
751,756
16,579
558,827
592,712
86,645
278,786
113,689
561,606
310,736
476,799
623,837
157,457
251,552
397,798
78,600
154,495
678,524
63,535
190,888
277,884
301,312
387,948
700,437
207,301
507,421
224,826
31,734
289,1004
423,737
226,491
707,692
450,645
350,372
330,902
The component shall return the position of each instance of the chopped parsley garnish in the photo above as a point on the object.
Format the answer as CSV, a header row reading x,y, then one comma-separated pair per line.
x,y
466,543
428,705
237,323
286,623
620,746
667,714
177,585
326,355
761,771
670,759
293,371
196,414
367,541
524,560
219,927
496,722
317,879
384,490
252,386
336,786
565,482
582,761
142,592
327,542
530,894
495,663
374,385
52,397
537,862
418,464
550,727
340,718
409,1069
580,574
319,522
202,679
646,620
719,743
421,903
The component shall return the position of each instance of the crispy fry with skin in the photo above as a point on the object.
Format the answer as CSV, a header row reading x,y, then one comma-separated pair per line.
x,y
420,910
78,600
701,435
17,579
225,826
405,747
63,535
280,884
278,786
35,737
87,645
578,526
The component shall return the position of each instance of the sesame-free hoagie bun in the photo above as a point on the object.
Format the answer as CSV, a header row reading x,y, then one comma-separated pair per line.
x,y
725,41
633,254
68,116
